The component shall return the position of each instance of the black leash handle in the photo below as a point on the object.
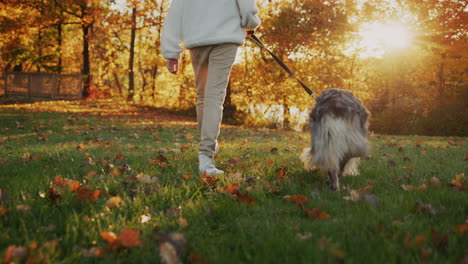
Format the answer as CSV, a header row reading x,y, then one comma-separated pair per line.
x,y
281,63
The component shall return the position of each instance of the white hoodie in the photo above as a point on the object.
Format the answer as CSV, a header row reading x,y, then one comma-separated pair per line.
x,y
195,23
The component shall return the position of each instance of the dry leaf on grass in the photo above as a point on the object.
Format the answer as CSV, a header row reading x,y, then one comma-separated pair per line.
x,y
114,201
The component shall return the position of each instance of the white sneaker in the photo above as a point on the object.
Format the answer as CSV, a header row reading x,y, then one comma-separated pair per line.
x,y
206,165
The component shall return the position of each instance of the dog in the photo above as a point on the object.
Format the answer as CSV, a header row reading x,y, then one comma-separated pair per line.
x,y
339,124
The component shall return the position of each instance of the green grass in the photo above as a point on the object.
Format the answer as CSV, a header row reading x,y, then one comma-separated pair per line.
x,y
86,141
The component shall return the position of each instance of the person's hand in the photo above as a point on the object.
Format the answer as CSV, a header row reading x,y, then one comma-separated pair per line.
x,y
249,33
173,65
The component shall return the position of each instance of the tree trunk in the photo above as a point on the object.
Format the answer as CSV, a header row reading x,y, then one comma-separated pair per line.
x,y
131,80
286,115
59,44
154,72
86,63
117,82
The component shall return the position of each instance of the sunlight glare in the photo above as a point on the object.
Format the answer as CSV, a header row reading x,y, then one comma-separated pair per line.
x,y
379,36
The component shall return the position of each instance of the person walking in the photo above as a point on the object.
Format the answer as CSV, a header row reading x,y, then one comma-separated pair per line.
x,y
211,30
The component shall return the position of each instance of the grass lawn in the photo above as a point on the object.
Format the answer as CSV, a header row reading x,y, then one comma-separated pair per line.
x,y
86,182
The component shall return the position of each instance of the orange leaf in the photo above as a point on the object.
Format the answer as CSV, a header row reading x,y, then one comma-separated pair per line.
x,y
73,185
461,229
95,195
365,188
298,199
182,222
245,198
129,238
83,195
408,168
232,189
116,172
60,181
15,253
208,180
281,172
109,236
187,176
458,182
119,157
269,162
316,213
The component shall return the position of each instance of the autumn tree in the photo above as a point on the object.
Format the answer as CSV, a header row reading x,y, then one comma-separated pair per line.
x,y
306,36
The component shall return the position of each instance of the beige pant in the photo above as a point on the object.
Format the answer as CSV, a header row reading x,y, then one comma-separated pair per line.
x,y
212,66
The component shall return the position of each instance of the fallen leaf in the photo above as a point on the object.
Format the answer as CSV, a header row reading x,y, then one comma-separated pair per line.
x,y
26,156
461,229
316,213
298,199
94,252
459,182
245,198
14,254
189,136
281,172
233,162
434,181
161,160
146,178
208,180
129,238
408,168
269,162
145,218
187,176
59,181
232,189
84,195
114,201
182,222
81,147
355,196
119,157
109,236
53,196
413,188
116,172
74,185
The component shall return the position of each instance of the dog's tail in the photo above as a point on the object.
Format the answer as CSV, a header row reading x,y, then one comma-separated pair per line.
x,y
335,138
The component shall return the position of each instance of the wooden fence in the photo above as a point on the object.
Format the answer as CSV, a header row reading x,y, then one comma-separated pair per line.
x,y
44,85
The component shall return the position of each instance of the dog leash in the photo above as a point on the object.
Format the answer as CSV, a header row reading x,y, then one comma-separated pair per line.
x,y
281,63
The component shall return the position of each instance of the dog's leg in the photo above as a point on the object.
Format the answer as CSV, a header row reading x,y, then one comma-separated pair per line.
x,y
334,179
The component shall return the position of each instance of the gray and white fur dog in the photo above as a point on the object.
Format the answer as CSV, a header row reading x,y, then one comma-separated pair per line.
x,y
339,124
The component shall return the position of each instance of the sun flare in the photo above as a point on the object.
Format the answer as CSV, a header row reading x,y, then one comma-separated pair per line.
x,y
378,38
